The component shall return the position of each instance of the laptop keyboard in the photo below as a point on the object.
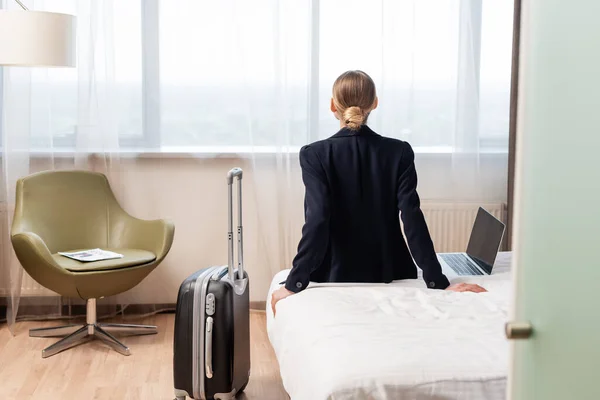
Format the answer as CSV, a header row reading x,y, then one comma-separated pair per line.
x,y
460,264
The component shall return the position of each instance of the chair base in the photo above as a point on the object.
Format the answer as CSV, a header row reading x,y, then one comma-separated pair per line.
x,y
74,335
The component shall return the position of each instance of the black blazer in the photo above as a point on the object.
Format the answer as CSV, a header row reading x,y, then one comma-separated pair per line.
x,y
356,183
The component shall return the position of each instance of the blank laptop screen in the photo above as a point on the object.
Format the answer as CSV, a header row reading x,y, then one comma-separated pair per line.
x,y
485,239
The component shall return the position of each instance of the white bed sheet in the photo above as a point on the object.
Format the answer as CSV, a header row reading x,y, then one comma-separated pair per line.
x,y
395,341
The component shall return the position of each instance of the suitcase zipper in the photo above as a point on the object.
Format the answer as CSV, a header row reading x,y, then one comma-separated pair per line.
x,y
219,273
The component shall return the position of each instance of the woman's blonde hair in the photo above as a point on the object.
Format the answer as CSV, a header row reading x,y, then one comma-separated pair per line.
x,y
354,97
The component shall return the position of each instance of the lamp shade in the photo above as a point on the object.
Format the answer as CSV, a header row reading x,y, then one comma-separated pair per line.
x,y
36,38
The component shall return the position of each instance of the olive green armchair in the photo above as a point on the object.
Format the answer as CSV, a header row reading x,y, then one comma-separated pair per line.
x,y
76,210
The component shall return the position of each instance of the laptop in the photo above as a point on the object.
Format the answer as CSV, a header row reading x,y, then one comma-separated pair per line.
x,y
484,244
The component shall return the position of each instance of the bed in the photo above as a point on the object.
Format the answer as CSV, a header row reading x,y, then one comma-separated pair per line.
x,y
396,341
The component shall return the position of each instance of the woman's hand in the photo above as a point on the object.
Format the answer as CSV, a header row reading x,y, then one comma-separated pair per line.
x,y
466,287
279,294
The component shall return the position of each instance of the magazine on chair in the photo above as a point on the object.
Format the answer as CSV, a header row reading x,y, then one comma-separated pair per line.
x,y
91,255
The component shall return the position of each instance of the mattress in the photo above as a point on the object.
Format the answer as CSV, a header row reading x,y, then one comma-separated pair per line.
x,y
394,341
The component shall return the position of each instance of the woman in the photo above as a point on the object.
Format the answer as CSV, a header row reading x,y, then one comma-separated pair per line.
x,y
356,183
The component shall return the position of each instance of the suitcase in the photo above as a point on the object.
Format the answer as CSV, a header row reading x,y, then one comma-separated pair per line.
x,y
211,349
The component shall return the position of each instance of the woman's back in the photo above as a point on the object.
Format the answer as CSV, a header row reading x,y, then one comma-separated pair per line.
x,y
356,183
361,170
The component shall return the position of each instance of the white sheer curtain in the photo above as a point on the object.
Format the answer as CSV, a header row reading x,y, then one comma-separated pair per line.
x,y
250,83
57,119
192,88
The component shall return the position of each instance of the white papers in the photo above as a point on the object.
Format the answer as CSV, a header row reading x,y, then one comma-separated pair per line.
x,y
91,255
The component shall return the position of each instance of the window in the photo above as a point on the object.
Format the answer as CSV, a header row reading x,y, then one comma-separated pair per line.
x,y
410,49
496,59
237,73
55,94
228,68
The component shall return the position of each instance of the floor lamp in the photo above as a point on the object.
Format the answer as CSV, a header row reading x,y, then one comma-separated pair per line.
x,y
36,38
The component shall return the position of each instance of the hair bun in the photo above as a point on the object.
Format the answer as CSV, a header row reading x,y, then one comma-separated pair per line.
x,y
353,117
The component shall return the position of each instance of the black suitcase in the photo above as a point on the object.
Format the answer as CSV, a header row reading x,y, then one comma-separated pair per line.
x,y
211,349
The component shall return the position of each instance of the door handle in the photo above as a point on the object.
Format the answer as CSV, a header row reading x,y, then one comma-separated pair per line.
x,y
518,330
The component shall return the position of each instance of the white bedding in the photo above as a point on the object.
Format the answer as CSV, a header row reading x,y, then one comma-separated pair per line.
x,y
396,341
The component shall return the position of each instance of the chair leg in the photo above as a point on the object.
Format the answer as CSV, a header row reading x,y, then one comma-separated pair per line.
x,y
111,341
78,337
55,331
129,329
78,334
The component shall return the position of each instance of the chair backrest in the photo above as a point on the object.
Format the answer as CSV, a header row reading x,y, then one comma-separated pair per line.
x,y
67,209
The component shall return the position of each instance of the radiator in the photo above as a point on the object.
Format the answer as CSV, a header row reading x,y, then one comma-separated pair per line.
x,y
450,223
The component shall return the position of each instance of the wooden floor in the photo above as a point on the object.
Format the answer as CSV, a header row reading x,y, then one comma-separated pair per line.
x,y
94,371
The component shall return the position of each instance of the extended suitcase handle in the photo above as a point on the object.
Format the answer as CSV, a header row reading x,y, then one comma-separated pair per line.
x,y
233,173
236,172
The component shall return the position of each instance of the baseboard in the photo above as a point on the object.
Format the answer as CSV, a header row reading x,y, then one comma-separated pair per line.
x,y
45,308
39,309
258,305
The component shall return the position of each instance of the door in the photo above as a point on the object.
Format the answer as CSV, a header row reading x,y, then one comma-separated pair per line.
x,y
557,203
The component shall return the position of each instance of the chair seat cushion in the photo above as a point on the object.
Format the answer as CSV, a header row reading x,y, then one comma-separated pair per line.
x,y
131,258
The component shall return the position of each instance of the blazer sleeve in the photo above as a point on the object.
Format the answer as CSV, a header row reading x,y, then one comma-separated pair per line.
x,y
415,227
315,233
